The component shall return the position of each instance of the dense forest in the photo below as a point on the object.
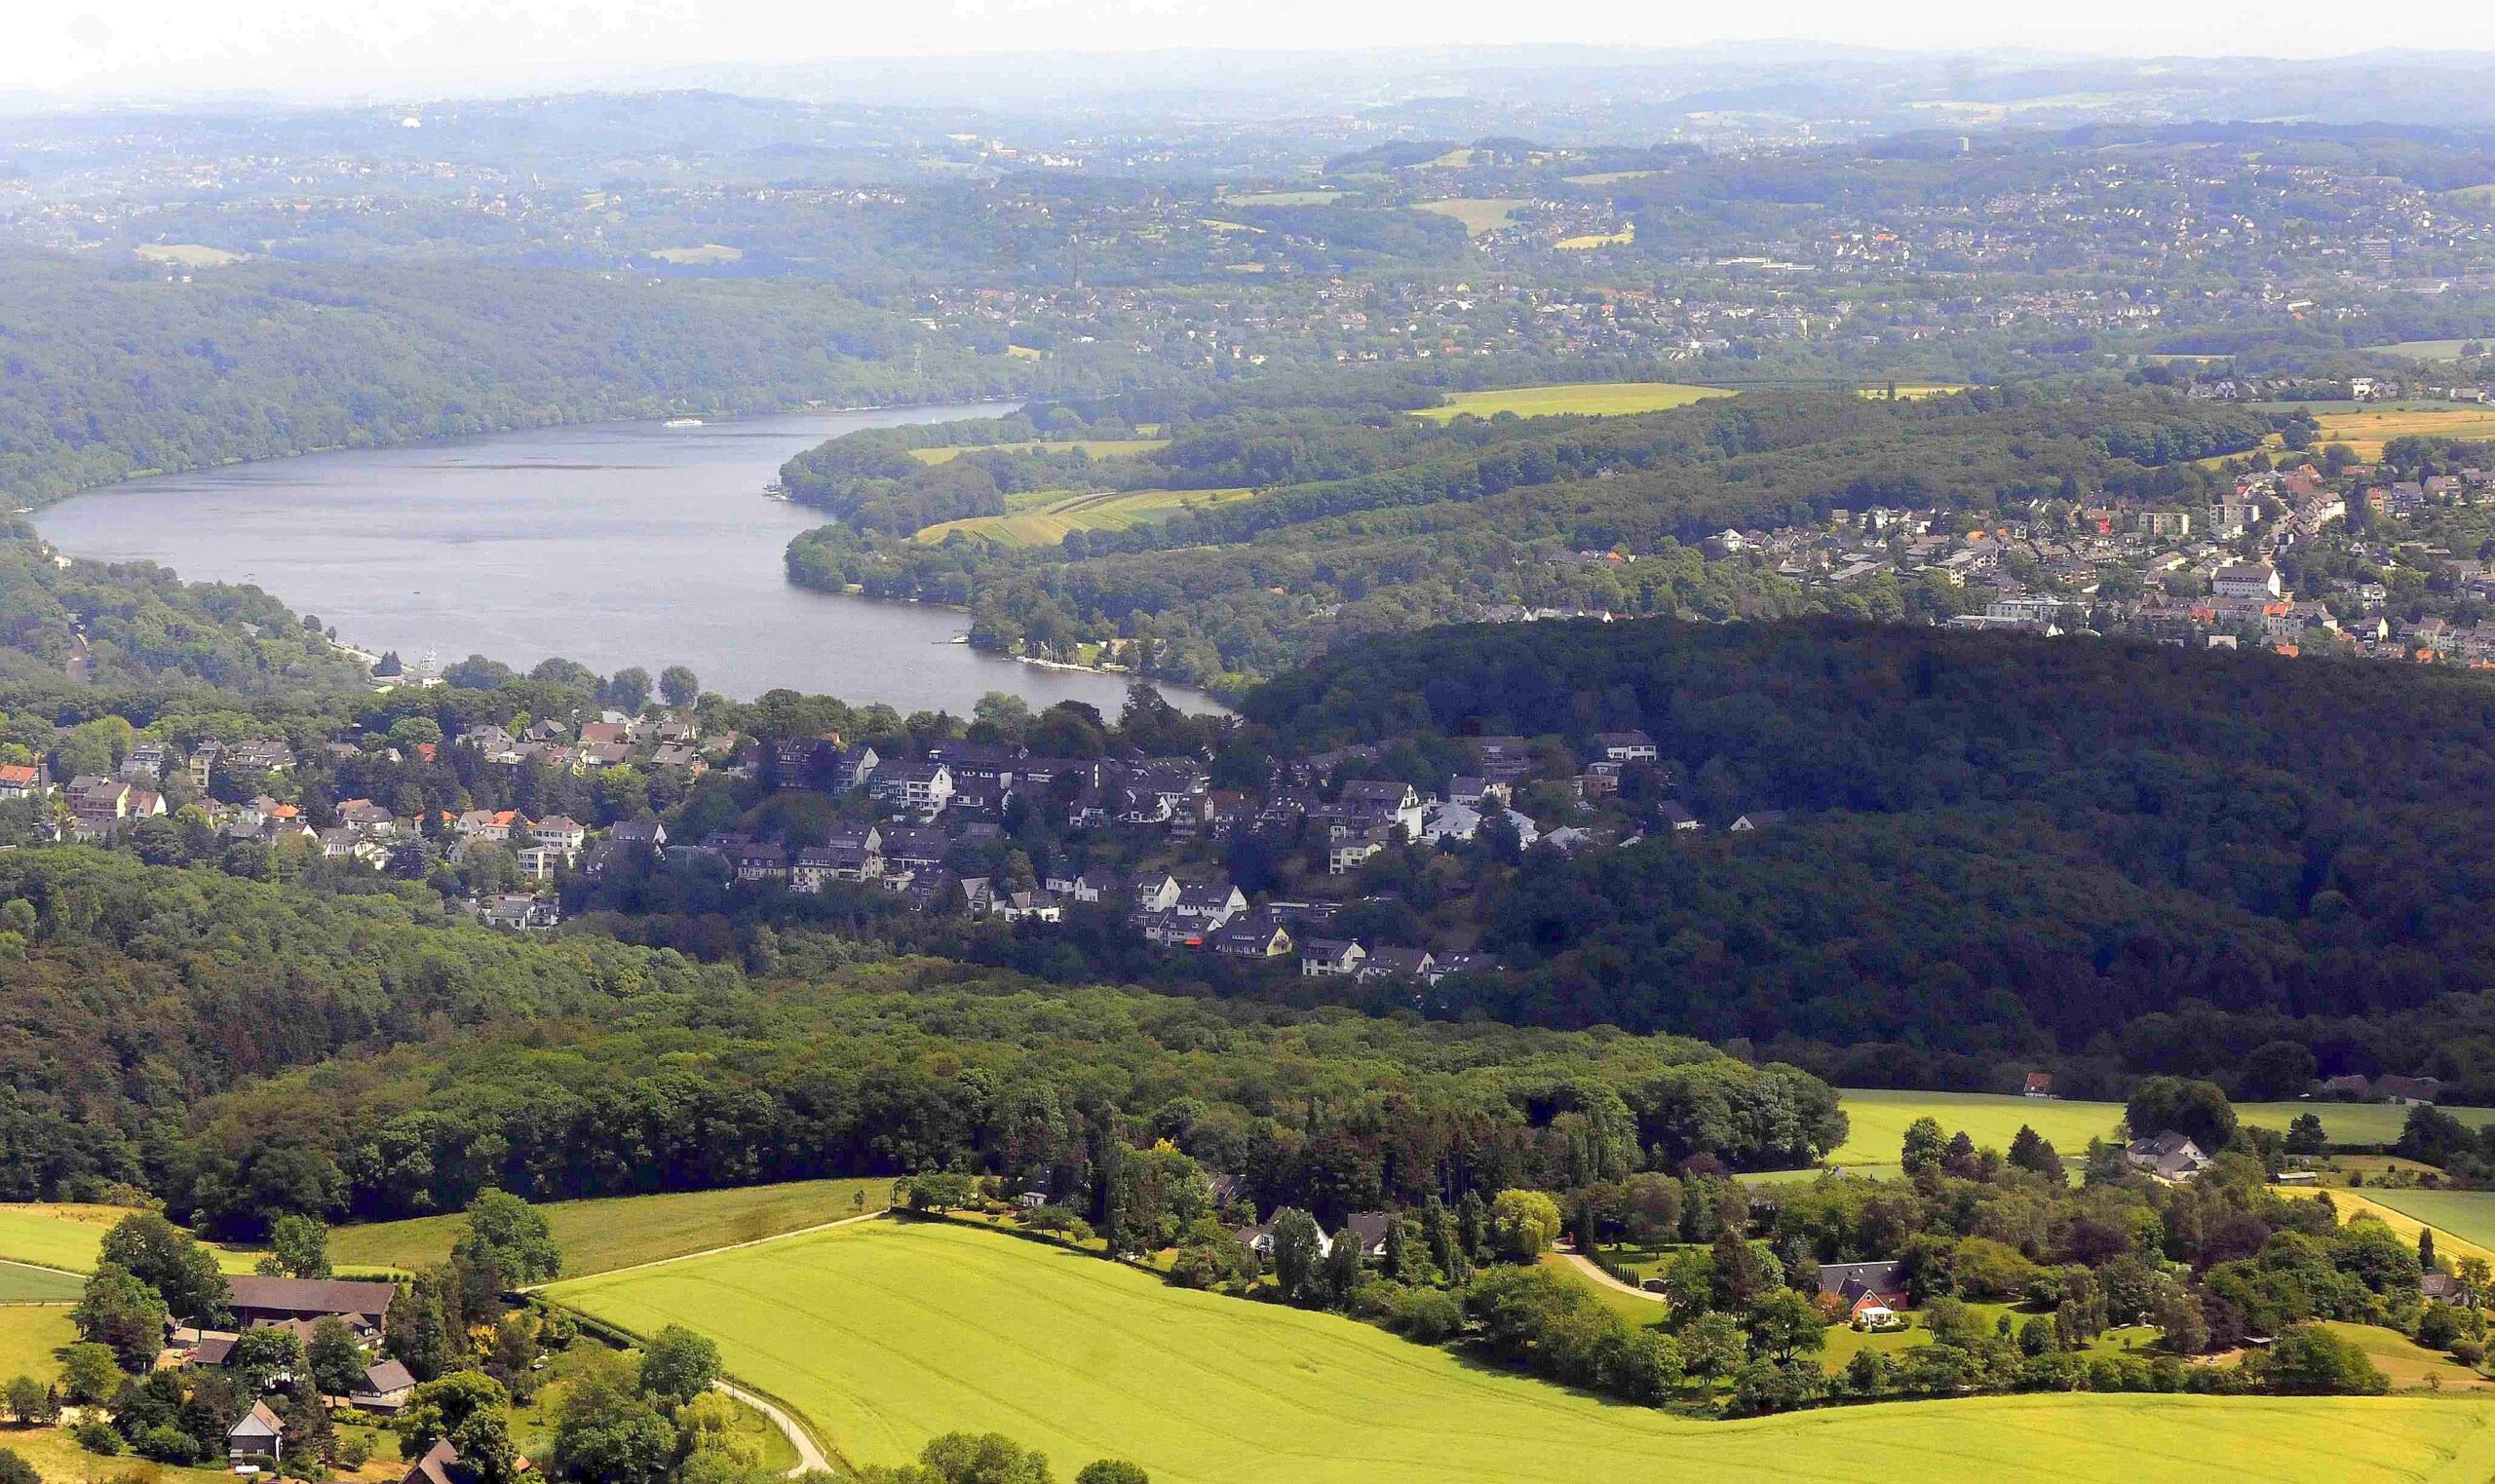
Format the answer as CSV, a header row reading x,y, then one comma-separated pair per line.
x,y
1364,519
2133,857
140,1004
109,373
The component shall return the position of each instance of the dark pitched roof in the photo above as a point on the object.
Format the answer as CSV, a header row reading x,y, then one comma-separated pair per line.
x,y
312,1296
1887,1277
386,1377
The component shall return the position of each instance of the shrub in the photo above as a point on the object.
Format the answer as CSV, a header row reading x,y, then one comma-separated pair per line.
x,y
96,1435
1426,1315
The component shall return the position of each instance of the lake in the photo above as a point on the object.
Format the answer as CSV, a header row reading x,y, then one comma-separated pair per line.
x,y
612,543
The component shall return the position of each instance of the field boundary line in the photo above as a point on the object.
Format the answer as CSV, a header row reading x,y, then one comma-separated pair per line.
x,y
11,1262
734,1246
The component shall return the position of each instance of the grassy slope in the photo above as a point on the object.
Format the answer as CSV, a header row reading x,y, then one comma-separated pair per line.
x,y
1478,214
887,1333
21,1285
29,1337
2408,1364
1590,398
1880,1118
67,1236
1041,519
1099,448
601,1235
2469,1215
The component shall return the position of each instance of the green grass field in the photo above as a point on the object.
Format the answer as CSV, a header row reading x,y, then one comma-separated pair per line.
x,y
1878,1121
601,1236
887,1333
1042,518
28,1339
67,1236
188,256
2429,350
1309,198
1585,398
2469,1215
1097,447
21,1285
1478,214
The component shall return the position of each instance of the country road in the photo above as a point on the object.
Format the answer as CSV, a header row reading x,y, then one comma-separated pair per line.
x,y
1594,1271
810,1459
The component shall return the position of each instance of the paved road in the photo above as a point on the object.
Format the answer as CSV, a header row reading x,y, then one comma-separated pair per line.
x,y
810,1459
1590,1269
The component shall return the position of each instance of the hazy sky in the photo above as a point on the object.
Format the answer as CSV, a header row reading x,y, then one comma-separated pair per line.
x,y
443,47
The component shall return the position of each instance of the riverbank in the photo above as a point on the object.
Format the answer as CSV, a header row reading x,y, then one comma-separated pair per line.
x,y
609,544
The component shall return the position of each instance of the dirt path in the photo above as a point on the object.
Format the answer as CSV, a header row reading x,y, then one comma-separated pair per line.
x,y
810,1459
1592,1269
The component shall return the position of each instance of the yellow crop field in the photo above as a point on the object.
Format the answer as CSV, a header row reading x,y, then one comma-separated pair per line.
x,y
2366,430
1585,398
1096,447
1043,518
885,1334
1478,214
1588,242
55,1235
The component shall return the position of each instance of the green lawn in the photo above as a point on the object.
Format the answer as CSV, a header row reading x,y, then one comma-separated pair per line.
x,y
21,1285
888,1333
601,1235
1589,399
1879,1119
28,1338
2408,1364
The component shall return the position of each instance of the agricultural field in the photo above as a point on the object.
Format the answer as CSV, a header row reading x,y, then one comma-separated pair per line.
x,y
601,1236
1609,178
2408,1365
67,1236
1584,398
1478,214
2469,1215
1879,1117
1309,198
1913,390
2368,429
1592,239
708,252
2428,349
1097,447
887,1333
28,1338
23,1284
2349,1205
1043,517
189,255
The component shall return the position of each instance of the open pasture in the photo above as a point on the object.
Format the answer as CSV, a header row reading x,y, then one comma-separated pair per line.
x,y
1478,214
1588,242
601,1236
2367,429
886,1334
1095,447
1878,1120
1581,399
23,1285
1041,519
1319,197
188,256
58,1234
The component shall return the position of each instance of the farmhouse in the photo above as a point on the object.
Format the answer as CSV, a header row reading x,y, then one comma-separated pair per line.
x,y
258,1300
385,1387
1862,1287
2169,1157
258,1435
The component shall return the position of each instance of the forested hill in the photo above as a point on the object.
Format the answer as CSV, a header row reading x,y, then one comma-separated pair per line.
x,y
1348,519
2109,853
109,373
140,1008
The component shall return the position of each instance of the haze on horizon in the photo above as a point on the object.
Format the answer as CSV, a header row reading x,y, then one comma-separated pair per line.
x,y
341,49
